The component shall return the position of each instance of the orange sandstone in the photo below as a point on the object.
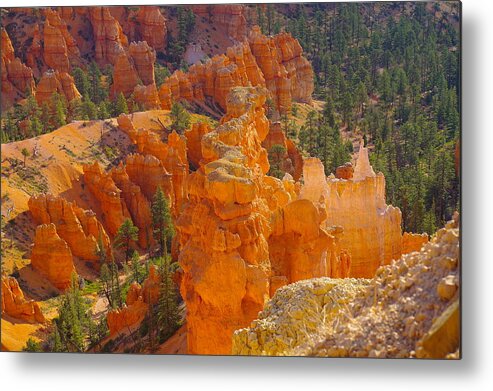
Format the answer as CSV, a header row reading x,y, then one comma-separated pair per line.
x,y
16,305
51,256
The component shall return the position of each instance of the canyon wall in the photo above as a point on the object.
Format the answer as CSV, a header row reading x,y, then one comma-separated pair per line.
x,y
274,62
243,234
372,229
356,317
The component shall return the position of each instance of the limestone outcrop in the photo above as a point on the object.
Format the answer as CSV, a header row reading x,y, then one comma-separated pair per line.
x,y
292,161
276,63
103,188
66,46
372,229
17,78
51,256
16,305
152,26
55,50
109,38
125,77
132,313
54,81
224,227
295,314
399,313
79,228
288,75
229,17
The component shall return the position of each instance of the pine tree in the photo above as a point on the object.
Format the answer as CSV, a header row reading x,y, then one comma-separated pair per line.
x,y
120,105
25,153
126,234
162,224
180,118
168,315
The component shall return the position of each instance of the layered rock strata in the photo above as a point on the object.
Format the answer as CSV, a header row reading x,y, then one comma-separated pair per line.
x,y
372,229
224,229
17,78
16,305
51,256
276,63
79,228
409,309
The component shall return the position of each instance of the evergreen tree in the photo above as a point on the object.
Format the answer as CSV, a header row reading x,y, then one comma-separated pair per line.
x,y
126,234
168,315
162,224
180,118
120,105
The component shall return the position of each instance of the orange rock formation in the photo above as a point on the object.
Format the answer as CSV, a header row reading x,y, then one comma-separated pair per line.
x,y
372,229
17,78
79,228
276,63
292,161
288,75
108,35
299,249
230,17
16,305
54,81
224,228
51,256
172,155
101,185
152,27
130,314
413,242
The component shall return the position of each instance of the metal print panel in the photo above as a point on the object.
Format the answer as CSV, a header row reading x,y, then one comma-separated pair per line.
x,y
258,179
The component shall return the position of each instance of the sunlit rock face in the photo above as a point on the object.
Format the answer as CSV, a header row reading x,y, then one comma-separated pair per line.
x,y
79,228
16,305
109,38
273,62
51,256
59,82
372,229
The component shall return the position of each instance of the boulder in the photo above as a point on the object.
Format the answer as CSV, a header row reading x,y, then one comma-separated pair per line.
x,y
16,305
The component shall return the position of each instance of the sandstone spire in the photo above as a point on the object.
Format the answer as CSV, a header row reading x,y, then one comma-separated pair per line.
x,y
363,168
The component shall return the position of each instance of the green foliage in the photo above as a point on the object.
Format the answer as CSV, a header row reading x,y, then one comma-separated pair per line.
x,y
168,316
276,156
120,105
162,224
126,234
74,324
161,73
32,346
180,118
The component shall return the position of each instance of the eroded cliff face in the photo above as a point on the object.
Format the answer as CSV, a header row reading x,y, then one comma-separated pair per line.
x,y
17,78
16,305
109,38
273,62
79,228
54,81
235,227
230,17
292,161
409,309
51,256
372,229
